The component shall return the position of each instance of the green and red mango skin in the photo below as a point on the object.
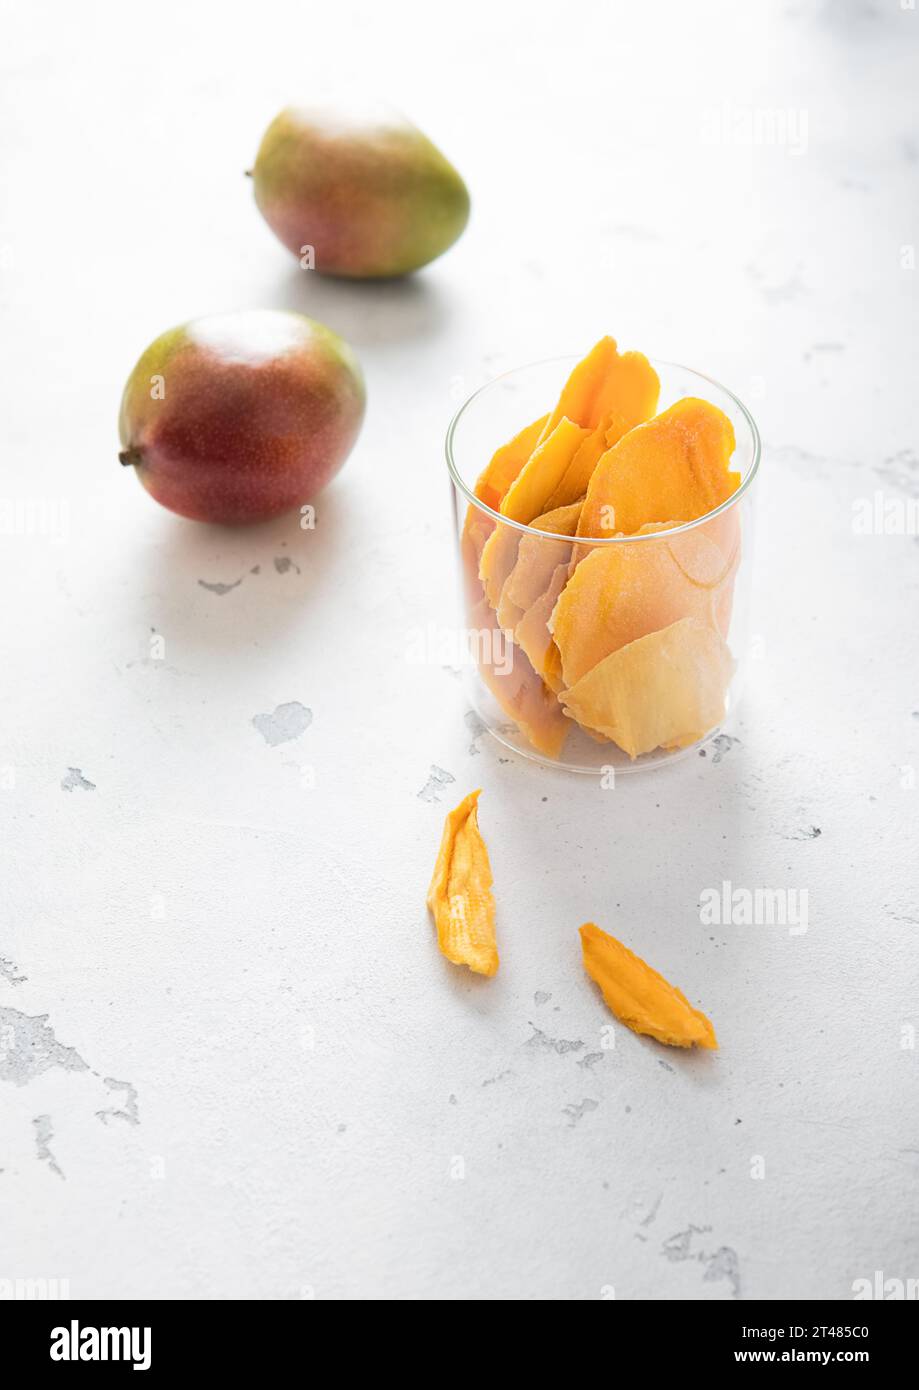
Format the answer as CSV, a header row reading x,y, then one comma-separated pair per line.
x,y
260,410
370,193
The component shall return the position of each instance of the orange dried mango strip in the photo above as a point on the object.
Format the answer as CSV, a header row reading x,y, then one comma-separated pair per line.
x,y
639,997
460,897
607,380
675,465
580,470
524,501
542,472
506,462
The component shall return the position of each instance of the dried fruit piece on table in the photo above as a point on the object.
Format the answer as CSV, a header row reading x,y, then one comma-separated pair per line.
x,y
460,897
675,465
666,689
604,381
535,564
639,997
623,591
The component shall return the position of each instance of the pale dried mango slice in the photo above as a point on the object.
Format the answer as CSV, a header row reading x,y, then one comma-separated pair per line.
x,y
663,690
542,472
624,591
675,465
580,470
498,558
641,998
536,561
604,381
533,635
517,688
460,897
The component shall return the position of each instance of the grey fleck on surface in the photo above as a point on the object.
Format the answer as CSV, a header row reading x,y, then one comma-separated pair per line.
x,y
541,997
590,1060
901,470
453,1100
127,1111
501,1076
476,727
722,744
576,1112
44,1133
218,588
74,780
648,1219
723,1265
438,778
810,832
283,563
256,569
541,1042
286,722
10,972
665,1065
342,1128
679,1246
29,1047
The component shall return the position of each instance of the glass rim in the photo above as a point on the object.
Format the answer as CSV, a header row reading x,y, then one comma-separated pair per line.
x,y
724,506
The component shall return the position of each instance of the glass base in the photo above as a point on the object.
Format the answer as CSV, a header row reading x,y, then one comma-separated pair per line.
x,y
580,753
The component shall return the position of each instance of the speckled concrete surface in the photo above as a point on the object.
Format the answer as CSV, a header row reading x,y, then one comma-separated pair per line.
x,y
232,1062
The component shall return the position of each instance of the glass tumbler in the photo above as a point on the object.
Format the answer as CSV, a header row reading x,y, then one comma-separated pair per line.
x,y
599,654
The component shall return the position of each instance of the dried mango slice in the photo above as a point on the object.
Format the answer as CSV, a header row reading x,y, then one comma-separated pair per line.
x,y
517,688
542,472
524,501
535,563
579,472
675,465
604,381
621,592
460,897
533,635
506,462
663,690
641,998
499,555
491,485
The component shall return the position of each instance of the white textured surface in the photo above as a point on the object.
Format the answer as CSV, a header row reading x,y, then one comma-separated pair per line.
x,y
251,954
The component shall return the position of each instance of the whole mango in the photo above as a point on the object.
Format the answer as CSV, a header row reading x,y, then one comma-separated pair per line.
x,y
361,195
238,417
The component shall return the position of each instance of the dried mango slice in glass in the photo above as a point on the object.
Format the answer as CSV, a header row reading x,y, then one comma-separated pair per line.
x,y
664,690
604,381
675,465
621,592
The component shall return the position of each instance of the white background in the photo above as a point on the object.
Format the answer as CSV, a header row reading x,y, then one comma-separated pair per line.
x,y
251,956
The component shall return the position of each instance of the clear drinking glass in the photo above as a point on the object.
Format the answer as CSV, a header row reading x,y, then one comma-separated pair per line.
x,y
544,612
